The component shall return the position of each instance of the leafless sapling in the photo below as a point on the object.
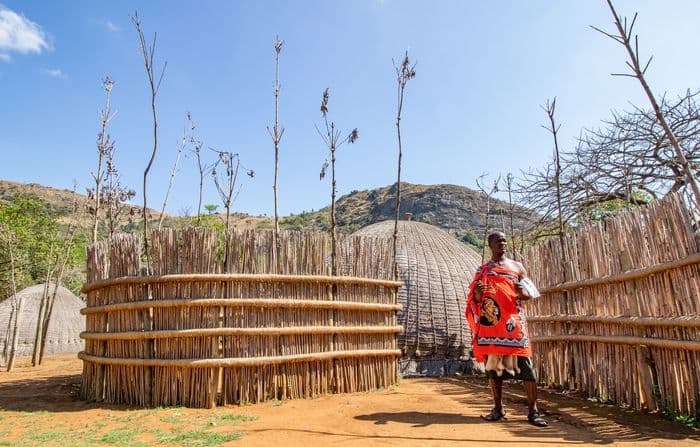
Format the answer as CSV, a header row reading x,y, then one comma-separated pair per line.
x,y
202,167
226,184
276,134
553,129
509,186
67,245
44,302
103,144
404,73
181,145
624,37
115,195
154,80
55,268
331,136
12,334
488,194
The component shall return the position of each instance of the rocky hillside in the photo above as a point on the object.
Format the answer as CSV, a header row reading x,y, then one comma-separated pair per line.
x,y
60,202
455,208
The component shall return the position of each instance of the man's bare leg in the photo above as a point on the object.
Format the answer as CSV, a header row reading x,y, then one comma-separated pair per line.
x,y
497,393
532,412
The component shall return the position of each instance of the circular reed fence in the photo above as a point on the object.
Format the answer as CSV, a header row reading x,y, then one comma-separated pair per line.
x,y
202,339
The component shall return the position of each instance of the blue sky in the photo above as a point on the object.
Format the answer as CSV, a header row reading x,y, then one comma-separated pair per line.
x,y
483,71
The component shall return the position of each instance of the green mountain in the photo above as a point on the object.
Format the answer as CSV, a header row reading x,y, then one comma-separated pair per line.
x,y
457,209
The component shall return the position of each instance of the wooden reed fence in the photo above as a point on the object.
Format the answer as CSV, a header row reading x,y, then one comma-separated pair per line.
x,y
621,319
264,326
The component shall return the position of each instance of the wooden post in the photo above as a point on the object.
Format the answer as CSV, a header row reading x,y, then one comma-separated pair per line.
x,y
646,382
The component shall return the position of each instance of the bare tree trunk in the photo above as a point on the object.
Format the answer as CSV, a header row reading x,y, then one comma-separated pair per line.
x,y
6,341
43,306
59,278
15,336
486,227
102,148
633,63
333,141
201,188
276,137
148,53
16,305
333,230
549,108
554,129
494,189
511,211
404,73
180,148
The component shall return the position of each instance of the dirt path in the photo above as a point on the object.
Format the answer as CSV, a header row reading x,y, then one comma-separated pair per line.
x,y
418,412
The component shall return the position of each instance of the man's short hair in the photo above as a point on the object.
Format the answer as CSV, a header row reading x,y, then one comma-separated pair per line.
x,y
494,235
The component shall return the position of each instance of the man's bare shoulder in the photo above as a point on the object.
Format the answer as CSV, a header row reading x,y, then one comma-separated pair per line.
x,y
518,267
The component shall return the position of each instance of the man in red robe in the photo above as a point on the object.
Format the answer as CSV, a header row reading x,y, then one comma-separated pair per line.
x,y
499,329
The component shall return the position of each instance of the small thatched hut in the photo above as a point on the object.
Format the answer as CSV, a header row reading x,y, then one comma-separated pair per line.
x,y
436,270
65,325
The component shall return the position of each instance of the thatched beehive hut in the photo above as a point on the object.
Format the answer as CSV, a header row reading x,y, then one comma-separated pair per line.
x,y
436,270
65,325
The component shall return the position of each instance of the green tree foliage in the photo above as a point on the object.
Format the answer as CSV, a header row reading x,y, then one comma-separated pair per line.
x,y
33,228
211,208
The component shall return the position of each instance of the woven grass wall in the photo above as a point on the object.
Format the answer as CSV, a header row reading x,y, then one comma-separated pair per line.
x,y
231,321
435,269
619,320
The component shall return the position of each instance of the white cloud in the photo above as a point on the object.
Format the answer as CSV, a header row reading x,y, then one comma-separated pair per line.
x,y
5,57
54,73
111,26
20,34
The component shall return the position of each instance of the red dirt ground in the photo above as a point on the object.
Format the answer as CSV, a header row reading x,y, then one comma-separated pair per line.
x,y
417,412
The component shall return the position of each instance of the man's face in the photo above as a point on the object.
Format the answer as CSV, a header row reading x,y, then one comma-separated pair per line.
x,y
498,243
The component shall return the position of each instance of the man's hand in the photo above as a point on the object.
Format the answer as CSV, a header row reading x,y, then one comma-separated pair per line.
x,y
479,289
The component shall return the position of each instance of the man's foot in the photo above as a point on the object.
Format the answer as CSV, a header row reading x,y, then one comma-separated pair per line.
x,y
494,415
535,419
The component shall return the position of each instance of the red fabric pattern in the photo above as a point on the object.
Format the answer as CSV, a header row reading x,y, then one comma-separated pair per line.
x,y
498,322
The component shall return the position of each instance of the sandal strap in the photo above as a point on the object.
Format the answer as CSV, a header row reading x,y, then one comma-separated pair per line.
x,y
495,415
537,420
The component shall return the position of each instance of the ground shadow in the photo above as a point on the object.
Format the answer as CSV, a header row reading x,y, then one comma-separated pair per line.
x,y
471,439
418,419
54,394
591,421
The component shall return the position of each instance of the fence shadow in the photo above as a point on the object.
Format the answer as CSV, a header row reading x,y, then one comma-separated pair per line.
x,y
574,419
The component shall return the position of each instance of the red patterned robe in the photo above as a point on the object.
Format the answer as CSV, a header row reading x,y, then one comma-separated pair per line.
x,y
498,322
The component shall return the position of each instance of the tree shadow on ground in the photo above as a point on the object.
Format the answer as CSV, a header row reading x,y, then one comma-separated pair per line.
x,y
54,394
418,419
591,421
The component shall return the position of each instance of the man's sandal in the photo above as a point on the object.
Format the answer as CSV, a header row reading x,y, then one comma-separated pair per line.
x,y
494,415
535,419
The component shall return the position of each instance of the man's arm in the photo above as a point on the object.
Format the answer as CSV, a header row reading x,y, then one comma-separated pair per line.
x,y
525,287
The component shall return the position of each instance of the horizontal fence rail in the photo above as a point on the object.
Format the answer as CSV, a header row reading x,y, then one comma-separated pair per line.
x,y
262,331
244,361
234,321
678,322
242,302
625,276
240,278
622,340
623,293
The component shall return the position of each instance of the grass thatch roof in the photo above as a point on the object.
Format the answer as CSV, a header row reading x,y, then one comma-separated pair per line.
x,y
436,270
65,325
